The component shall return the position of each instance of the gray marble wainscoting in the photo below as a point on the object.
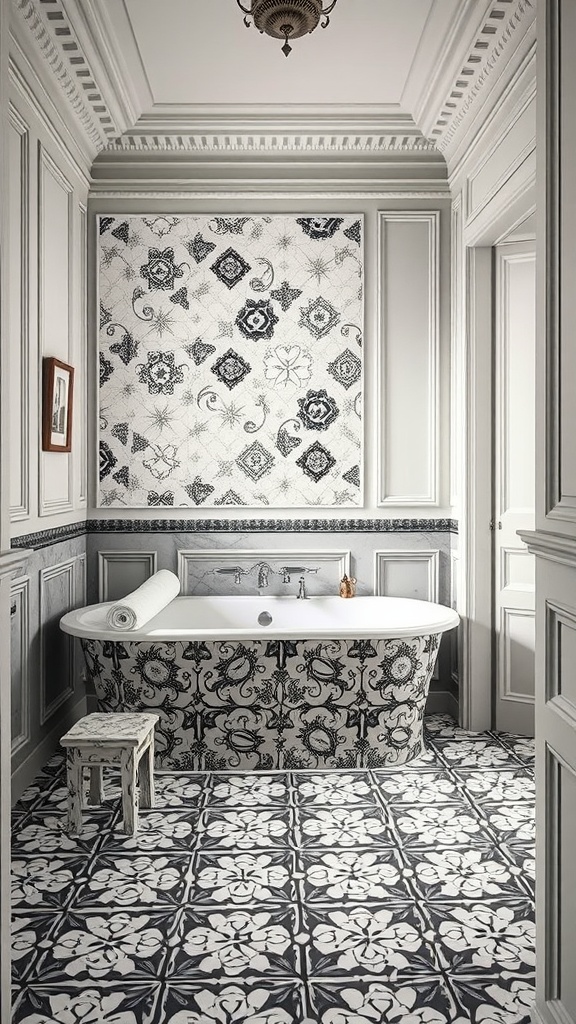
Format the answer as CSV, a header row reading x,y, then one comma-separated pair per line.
x,y
409,562
48,694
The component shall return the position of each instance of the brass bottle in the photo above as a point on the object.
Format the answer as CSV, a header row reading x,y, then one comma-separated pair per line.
x,y
347,586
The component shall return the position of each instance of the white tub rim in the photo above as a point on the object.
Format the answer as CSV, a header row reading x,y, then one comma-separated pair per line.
x,y
340,620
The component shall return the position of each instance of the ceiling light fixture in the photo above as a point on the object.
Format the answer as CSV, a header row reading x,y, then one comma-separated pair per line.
x,y
287,19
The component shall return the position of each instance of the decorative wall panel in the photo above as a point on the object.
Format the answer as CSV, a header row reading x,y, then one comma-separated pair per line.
x,y
231,361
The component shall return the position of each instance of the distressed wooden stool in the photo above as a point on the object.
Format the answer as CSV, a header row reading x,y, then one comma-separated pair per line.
x,y
117,738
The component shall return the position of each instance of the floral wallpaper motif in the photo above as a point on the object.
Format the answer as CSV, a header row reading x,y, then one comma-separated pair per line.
x,y
231,361
272,704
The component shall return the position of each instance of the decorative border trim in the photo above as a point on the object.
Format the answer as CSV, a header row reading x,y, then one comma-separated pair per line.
x,y
59,534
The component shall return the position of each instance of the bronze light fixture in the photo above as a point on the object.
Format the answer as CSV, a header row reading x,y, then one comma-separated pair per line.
x,y
287,19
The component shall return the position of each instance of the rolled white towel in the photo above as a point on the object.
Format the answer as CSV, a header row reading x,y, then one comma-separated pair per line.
x,y
137,608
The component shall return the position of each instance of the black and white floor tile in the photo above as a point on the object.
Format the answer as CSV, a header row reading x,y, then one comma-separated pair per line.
x,y
315,897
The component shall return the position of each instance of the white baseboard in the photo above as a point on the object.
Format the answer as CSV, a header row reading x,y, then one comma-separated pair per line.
x,y
442,702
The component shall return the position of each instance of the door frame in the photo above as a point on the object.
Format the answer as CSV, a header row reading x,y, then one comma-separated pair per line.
x,y
473,357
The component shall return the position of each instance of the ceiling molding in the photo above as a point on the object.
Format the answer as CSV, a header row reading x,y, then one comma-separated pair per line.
x,y
492,39
58,47
268,142
135,190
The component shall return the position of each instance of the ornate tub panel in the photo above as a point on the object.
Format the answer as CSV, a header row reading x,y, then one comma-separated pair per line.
x,y
265,704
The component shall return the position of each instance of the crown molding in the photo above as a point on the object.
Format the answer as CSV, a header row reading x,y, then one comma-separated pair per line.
x,y
134,190
51,43
26,84
462,86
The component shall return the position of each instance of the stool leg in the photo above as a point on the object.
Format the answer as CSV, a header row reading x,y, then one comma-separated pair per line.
x,y
147,777
75,787
96,785
128,779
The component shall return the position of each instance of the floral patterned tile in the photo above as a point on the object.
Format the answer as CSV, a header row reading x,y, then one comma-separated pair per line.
x,y
28,932
141,880
474,873
523,747
425,787
512,823
445,825
490,938
244,879
446,727
236,943
245,830
179,790
427,1001
46,882
344,827
261,1002
64,1004
523,859
158,831
48,834
481,752
354,876
385,942
509,785
501,1001
102,947
332,789
249,790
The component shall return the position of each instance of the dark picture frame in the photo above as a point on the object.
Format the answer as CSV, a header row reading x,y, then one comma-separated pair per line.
x,y
58,391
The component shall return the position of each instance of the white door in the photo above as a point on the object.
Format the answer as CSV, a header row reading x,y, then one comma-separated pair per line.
x,y
514,486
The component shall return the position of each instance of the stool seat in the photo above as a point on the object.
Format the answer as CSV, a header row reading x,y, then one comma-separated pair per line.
x,y
116,738
110,729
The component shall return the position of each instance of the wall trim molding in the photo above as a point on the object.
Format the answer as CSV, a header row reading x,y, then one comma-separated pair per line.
x,y
59,534
555,547
133,189
432,557
65,568
20,587
106,558
20,512
26,772
432,219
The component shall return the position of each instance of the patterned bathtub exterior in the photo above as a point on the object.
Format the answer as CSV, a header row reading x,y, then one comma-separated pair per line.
x,y
266,704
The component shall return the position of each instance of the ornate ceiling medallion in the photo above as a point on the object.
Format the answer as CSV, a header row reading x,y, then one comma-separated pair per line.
x,y
287,19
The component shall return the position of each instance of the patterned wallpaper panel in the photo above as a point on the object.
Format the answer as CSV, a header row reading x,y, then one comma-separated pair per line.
x,y
231,361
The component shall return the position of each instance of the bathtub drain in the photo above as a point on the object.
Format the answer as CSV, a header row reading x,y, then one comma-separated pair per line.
x,y
264,619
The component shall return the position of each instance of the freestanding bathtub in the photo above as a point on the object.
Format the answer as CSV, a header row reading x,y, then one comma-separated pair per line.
x,y
328,682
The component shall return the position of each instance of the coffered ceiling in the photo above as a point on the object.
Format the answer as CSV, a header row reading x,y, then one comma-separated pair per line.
x,y
187,75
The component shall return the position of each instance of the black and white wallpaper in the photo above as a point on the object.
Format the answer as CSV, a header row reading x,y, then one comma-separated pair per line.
x,y
231,361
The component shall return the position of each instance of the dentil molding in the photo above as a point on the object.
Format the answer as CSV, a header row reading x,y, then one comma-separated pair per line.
x,y
71,40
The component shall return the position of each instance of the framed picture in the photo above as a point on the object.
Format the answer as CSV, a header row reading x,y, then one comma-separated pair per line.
x,y
58,379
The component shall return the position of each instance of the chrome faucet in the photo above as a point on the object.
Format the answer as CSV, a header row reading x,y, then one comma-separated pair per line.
x,y
302,589
263,574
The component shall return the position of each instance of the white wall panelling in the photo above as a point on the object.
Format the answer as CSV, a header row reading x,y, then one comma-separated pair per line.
x,y
80,424
57,595
197,576
409,358
407,574
500,162
18,319
120,572
55,311
19,648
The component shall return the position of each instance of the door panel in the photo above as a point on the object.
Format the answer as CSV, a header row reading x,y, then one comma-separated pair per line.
x,y
514,486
